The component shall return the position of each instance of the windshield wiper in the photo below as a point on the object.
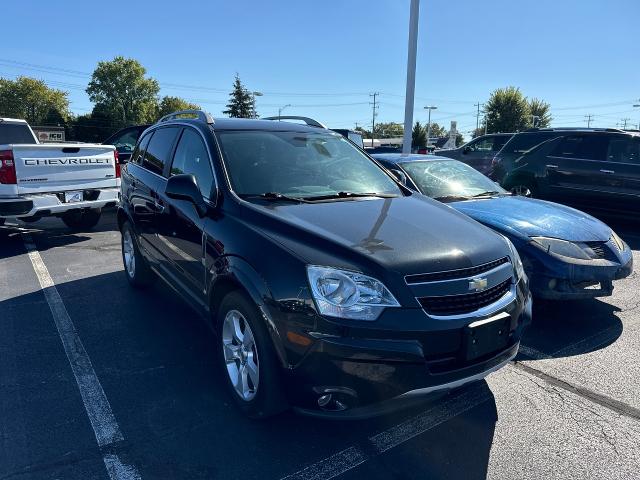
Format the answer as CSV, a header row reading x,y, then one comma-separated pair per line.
x,y
274,196
349,195
486,194
451,198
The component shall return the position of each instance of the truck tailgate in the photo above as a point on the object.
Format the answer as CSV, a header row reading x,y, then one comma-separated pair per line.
x,y
56,168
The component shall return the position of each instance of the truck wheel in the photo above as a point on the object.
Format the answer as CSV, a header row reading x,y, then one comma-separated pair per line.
x,y
82,220
247,358
136,268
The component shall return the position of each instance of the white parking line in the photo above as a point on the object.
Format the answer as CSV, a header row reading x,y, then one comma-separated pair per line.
x,y
355,455
95,401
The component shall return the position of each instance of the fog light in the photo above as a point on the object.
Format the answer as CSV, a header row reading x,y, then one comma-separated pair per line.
x,y
324,400
552,283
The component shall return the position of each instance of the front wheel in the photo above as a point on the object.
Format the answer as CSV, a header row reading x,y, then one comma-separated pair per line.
x,y
82,219
248,358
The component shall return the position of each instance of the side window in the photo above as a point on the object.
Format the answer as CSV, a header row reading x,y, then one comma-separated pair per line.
x,y
191,157
159,149
588,147
523,142
499,141
484,145
138,153
624,150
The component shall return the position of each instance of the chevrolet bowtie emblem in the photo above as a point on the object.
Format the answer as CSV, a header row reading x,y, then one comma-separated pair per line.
x,y
478,284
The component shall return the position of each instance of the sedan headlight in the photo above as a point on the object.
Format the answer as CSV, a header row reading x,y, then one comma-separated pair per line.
x,y
559,247
515,260
617,241
350,295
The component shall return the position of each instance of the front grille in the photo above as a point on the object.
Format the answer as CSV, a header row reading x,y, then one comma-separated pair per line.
x,y
467,303
452,274
601,250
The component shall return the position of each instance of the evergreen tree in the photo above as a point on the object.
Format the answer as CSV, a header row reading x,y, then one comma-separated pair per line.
x,y
418,135
241,103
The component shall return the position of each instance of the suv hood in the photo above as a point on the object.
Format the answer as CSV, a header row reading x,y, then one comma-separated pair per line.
x,y
412,234
529,217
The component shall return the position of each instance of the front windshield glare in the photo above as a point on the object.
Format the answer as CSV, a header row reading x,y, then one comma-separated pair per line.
x,y
299,164
449,178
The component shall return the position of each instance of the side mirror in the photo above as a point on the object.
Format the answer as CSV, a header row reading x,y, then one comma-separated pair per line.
x,y
399,175
185,187
466,150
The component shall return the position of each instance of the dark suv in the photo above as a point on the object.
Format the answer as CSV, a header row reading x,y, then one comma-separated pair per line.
x,y
588,168
331,286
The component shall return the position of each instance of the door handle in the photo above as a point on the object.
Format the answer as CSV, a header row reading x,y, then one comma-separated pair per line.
x,y
552,166
159,207
607,171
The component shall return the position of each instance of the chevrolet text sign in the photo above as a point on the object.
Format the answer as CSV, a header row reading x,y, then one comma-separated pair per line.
x,y
65,161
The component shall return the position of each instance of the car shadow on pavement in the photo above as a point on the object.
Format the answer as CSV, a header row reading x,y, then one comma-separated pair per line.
x,y
564,329
155,360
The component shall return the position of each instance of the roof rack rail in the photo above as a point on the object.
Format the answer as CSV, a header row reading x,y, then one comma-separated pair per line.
x,y
201,115
309,121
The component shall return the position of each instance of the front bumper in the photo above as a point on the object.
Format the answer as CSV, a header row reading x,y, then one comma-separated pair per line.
x,y
52,204
368,372
553,279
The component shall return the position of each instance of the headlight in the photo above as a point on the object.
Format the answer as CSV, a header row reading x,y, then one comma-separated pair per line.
x,y
617,241
515,260
563,248
350,295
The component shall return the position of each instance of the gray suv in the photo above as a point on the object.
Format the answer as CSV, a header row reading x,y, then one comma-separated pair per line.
x,y
479,152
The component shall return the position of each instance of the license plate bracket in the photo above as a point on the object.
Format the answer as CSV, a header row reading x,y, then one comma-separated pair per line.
x,y
74,197
486,336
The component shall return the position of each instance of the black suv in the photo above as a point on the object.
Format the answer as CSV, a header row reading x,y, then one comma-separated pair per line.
x,y
588,168
330,285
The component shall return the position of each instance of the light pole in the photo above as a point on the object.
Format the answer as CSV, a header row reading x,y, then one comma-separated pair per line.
x,y
637,105
429,107
411,75
253,96
281,109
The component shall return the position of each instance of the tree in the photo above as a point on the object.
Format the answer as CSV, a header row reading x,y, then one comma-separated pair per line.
x,y
418,135
388,130
123,92
93,127
241,104
173,104
33,100
541,110
438,131
507,111
459,139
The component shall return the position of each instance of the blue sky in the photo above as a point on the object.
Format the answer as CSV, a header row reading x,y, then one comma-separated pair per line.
x,y
325,57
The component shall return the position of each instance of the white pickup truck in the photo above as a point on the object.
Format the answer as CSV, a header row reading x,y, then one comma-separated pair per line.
x,y
73,181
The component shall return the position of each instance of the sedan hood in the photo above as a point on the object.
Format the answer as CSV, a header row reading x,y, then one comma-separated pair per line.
x,y
407,235
528,217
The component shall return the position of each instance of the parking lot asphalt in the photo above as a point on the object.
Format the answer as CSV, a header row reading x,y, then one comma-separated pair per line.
x,y
567,407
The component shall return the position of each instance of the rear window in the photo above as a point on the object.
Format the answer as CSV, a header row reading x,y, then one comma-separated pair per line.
x,y
159,149
523,142
587,147
16,133
624,150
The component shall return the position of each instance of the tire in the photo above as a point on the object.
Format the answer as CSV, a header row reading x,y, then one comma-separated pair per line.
x,y
523,188
136,268
82,220
244,346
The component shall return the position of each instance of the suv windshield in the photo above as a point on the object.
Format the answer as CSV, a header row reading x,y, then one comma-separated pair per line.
x,y
450,179
300,165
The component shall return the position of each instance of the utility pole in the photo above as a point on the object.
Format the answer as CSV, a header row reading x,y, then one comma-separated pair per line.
x,y
478,114
533,120
411,75
430,107
623,122
485,124
589,118
637,105
373,117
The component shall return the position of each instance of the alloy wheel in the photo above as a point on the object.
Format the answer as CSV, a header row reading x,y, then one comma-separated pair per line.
x,y
240,355
128,253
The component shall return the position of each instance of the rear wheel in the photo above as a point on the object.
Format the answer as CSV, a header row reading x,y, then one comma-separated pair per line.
x,y
136,269
82,219
248,359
